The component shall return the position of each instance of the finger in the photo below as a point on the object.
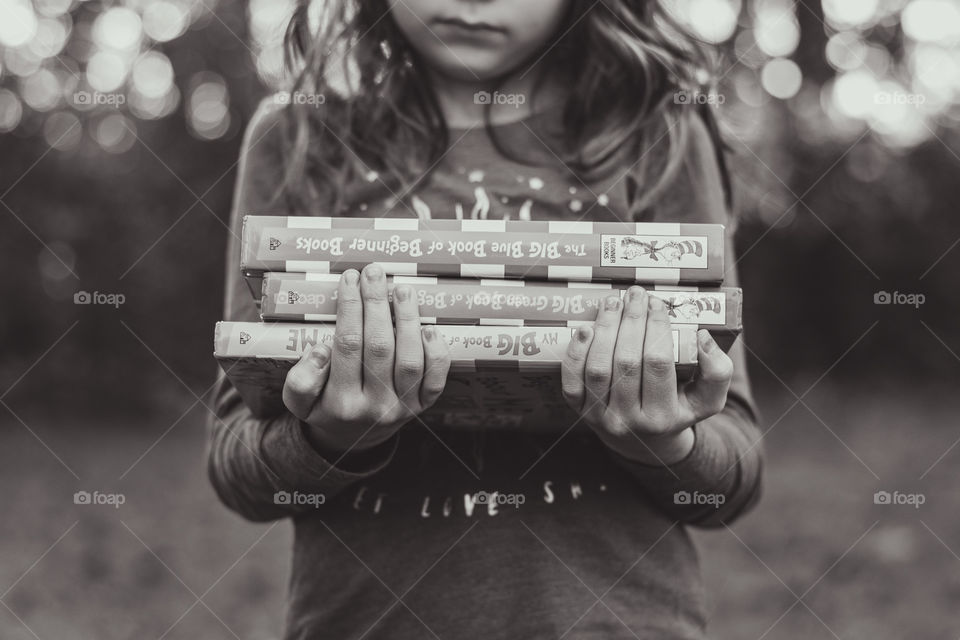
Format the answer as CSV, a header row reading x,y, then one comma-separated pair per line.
x,y
659,385
408,367
378,339
346,362
598,369
707,394
436,363
305,381
628,354
571,368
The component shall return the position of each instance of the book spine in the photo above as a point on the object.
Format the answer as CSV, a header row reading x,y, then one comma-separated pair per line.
x,y
661,253
472,348
312,297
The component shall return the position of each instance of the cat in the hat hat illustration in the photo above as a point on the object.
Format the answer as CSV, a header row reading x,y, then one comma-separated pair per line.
x,y
670,252
691,308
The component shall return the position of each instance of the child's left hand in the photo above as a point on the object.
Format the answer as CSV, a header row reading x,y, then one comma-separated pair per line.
x,y
620,377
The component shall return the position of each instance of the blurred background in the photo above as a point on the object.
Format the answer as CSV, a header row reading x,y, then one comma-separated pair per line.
x,y
120,124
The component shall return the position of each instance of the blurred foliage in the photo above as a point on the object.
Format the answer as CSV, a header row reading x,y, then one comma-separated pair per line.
x,y
122,123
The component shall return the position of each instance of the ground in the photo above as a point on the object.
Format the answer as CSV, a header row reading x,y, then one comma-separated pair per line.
x,y
816,559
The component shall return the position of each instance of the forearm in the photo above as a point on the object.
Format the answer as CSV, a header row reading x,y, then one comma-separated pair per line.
x,y
720,477
250,460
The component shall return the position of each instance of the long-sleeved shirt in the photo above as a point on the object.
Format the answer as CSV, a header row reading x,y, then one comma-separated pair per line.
x,y
573,540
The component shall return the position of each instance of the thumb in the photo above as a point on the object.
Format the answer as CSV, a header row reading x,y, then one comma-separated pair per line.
x,y
305,381
707,394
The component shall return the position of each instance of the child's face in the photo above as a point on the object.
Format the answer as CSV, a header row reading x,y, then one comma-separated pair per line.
x,y
471,39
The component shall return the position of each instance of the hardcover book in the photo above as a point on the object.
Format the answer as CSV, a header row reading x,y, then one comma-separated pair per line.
x,y
652,252
312,297
500,376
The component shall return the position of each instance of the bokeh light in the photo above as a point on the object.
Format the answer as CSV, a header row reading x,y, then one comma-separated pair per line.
x,y
18,24
164,21
781,78
777,29
11,110
936,73
153,75
118,28
147,108
846,51
746,51
51,37
896,116
57,261
115,133
62,130
22,62
41,91
712,20
208,106
854,92
850,13
106,71
52,8
932,21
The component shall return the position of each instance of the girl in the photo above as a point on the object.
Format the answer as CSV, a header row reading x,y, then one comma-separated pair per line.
x,y
546,109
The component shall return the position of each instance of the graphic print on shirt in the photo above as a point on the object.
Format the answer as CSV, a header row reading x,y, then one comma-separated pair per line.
x,y
484,502
483,203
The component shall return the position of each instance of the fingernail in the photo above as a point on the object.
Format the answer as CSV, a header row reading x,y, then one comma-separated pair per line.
x,y
636,293
320,354
351,276
707,343
613,303
656,304
583,333
402,293
429,333
373,272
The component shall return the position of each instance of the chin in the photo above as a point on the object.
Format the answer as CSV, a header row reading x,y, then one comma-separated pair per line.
x,y
472,67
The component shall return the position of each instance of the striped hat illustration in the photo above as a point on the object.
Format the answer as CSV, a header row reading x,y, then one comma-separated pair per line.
x,y
669,252
688,307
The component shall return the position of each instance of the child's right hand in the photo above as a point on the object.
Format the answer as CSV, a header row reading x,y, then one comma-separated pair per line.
x,y
358,394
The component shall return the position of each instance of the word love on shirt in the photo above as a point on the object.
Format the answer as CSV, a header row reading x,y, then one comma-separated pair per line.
x,y
483,502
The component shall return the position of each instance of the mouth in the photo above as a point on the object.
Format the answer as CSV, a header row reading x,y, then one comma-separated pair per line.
x,y
469,26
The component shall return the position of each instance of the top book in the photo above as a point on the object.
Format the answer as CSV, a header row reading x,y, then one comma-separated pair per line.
x,y
645,252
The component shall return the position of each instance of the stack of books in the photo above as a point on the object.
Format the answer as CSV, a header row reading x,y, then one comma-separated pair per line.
x,y
509,294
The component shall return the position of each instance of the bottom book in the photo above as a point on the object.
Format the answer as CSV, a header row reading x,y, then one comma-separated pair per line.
x,y
499,376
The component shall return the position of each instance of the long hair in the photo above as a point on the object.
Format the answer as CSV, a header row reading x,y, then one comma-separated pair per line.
x,y
625,61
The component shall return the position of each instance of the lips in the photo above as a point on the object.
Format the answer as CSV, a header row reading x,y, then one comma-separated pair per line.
x,y
465,25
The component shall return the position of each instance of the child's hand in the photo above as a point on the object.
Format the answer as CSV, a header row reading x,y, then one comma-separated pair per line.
x,y
623,382
359,393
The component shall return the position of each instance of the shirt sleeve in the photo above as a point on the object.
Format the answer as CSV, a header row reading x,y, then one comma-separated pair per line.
x,y
726,460
252,461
